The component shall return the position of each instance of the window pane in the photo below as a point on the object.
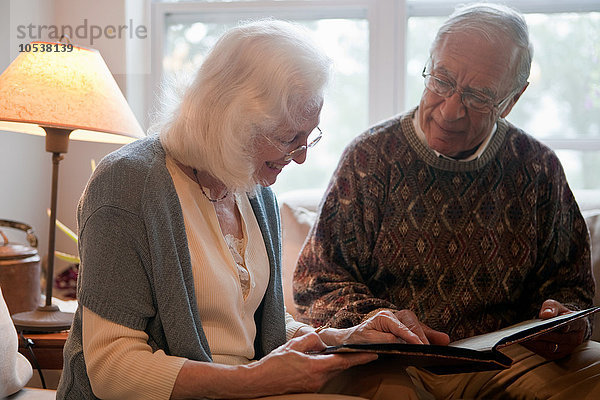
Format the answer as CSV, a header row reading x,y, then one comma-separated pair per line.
x,y
345,112
420,34
563,98
581,168
207,1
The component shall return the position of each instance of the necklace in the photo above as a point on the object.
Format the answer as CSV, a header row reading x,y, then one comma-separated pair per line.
x,y
204,193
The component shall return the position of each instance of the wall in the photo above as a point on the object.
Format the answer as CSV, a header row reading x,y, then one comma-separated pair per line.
x,y
25,166
25,182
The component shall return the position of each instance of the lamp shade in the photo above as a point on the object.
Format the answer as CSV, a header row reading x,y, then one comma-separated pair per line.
x,y
62,92
72,90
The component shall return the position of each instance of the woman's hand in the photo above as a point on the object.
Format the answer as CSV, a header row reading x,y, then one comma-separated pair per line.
x,y
559,343
387,327
289,369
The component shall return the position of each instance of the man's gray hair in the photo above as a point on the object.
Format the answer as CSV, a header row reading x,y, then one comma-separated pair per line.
x,y
258,76
494,22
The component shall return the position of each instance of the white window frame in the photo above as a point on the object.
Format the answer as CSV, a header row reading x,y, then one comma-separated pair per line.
x,y
388,20
386,96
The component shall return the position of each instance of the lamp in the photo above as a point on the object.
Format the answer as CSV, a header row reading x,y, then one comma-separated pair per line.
x,y
61,91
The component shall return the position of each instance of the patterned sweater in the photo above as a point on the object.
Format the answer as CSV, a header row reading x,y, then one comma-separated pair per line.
x,y
470,247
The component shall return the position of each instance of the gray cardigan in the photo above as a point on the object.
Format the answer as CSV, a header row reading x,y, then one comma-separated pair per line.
x,y
135,264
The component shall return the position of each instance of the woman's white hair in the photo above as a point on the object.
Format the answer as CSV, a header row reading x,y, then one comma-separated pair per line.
x,y
495,22
259,76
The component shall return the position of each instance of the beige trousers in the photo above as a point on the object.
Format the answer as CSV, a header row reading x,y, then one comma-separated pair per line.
x,y
531,376
310,396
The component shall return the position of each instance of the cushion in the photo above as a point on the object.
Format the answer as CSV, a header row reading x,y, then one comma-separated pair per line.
x,y
298,214
34,394
15,370
592,218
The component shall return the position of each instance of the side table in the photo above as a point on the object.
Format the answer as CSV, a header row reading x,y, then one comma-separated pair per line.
x,y
47,347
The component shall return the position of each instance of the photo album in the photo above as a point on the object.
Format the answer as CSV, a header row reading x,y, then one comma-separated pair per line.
x,y
477,353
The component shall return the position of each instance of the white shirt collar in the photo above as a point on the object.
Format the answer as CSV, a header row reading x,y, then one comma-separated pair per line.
x,y
473,156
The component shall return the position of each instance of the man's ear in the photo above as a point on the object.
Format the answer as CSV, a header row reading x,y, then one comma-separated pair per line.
x,y
513,101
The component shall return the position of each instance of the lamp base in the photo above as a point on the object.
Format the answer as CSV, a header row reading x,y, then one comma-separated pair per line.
x,y
44,319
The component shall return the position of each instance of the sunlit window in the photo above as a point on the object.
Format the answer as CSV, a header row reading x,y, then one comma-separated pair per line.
x,y
345,112
377,73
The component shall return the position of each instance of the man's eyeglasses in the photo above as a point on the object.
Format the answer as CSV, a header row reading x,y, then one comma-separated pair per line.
x,y
473,100
312,139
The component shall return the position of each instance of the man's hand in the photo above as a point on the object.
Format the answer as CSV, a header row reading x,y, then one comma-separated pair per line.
x,y
387,327
558,343
424,332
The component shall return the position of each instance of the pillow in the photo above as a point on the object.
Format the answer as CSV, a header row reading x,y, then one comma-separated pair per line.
x,y
15,370
295,225
592,218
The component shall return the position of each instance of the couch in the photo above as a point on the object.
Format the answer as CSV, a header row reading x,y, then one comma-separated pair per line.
x,y
298,212
15,370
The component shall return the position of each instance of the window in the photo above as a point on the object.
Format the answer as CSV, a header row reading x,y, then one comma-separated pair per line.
x,y
342,29
377,68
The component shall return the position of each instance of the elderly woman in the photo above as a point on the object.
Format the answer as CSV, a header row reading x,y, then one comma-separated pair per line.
x,y
179,235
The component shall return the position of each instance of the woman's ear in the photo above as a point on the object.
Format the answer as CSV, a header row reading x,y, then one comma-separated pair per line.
x,y
513,101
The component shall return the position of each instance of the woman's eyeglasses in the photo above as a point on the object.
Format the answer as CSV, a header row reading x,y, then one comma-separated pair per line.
x,y
313,138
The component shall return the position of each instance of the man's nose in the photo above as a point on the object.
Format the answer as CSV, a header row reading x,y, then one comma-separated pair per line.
x,y
452,108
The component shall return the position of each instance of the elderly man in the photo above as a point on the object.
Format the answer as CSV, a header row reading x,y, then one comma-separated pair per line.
x,y
457,221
